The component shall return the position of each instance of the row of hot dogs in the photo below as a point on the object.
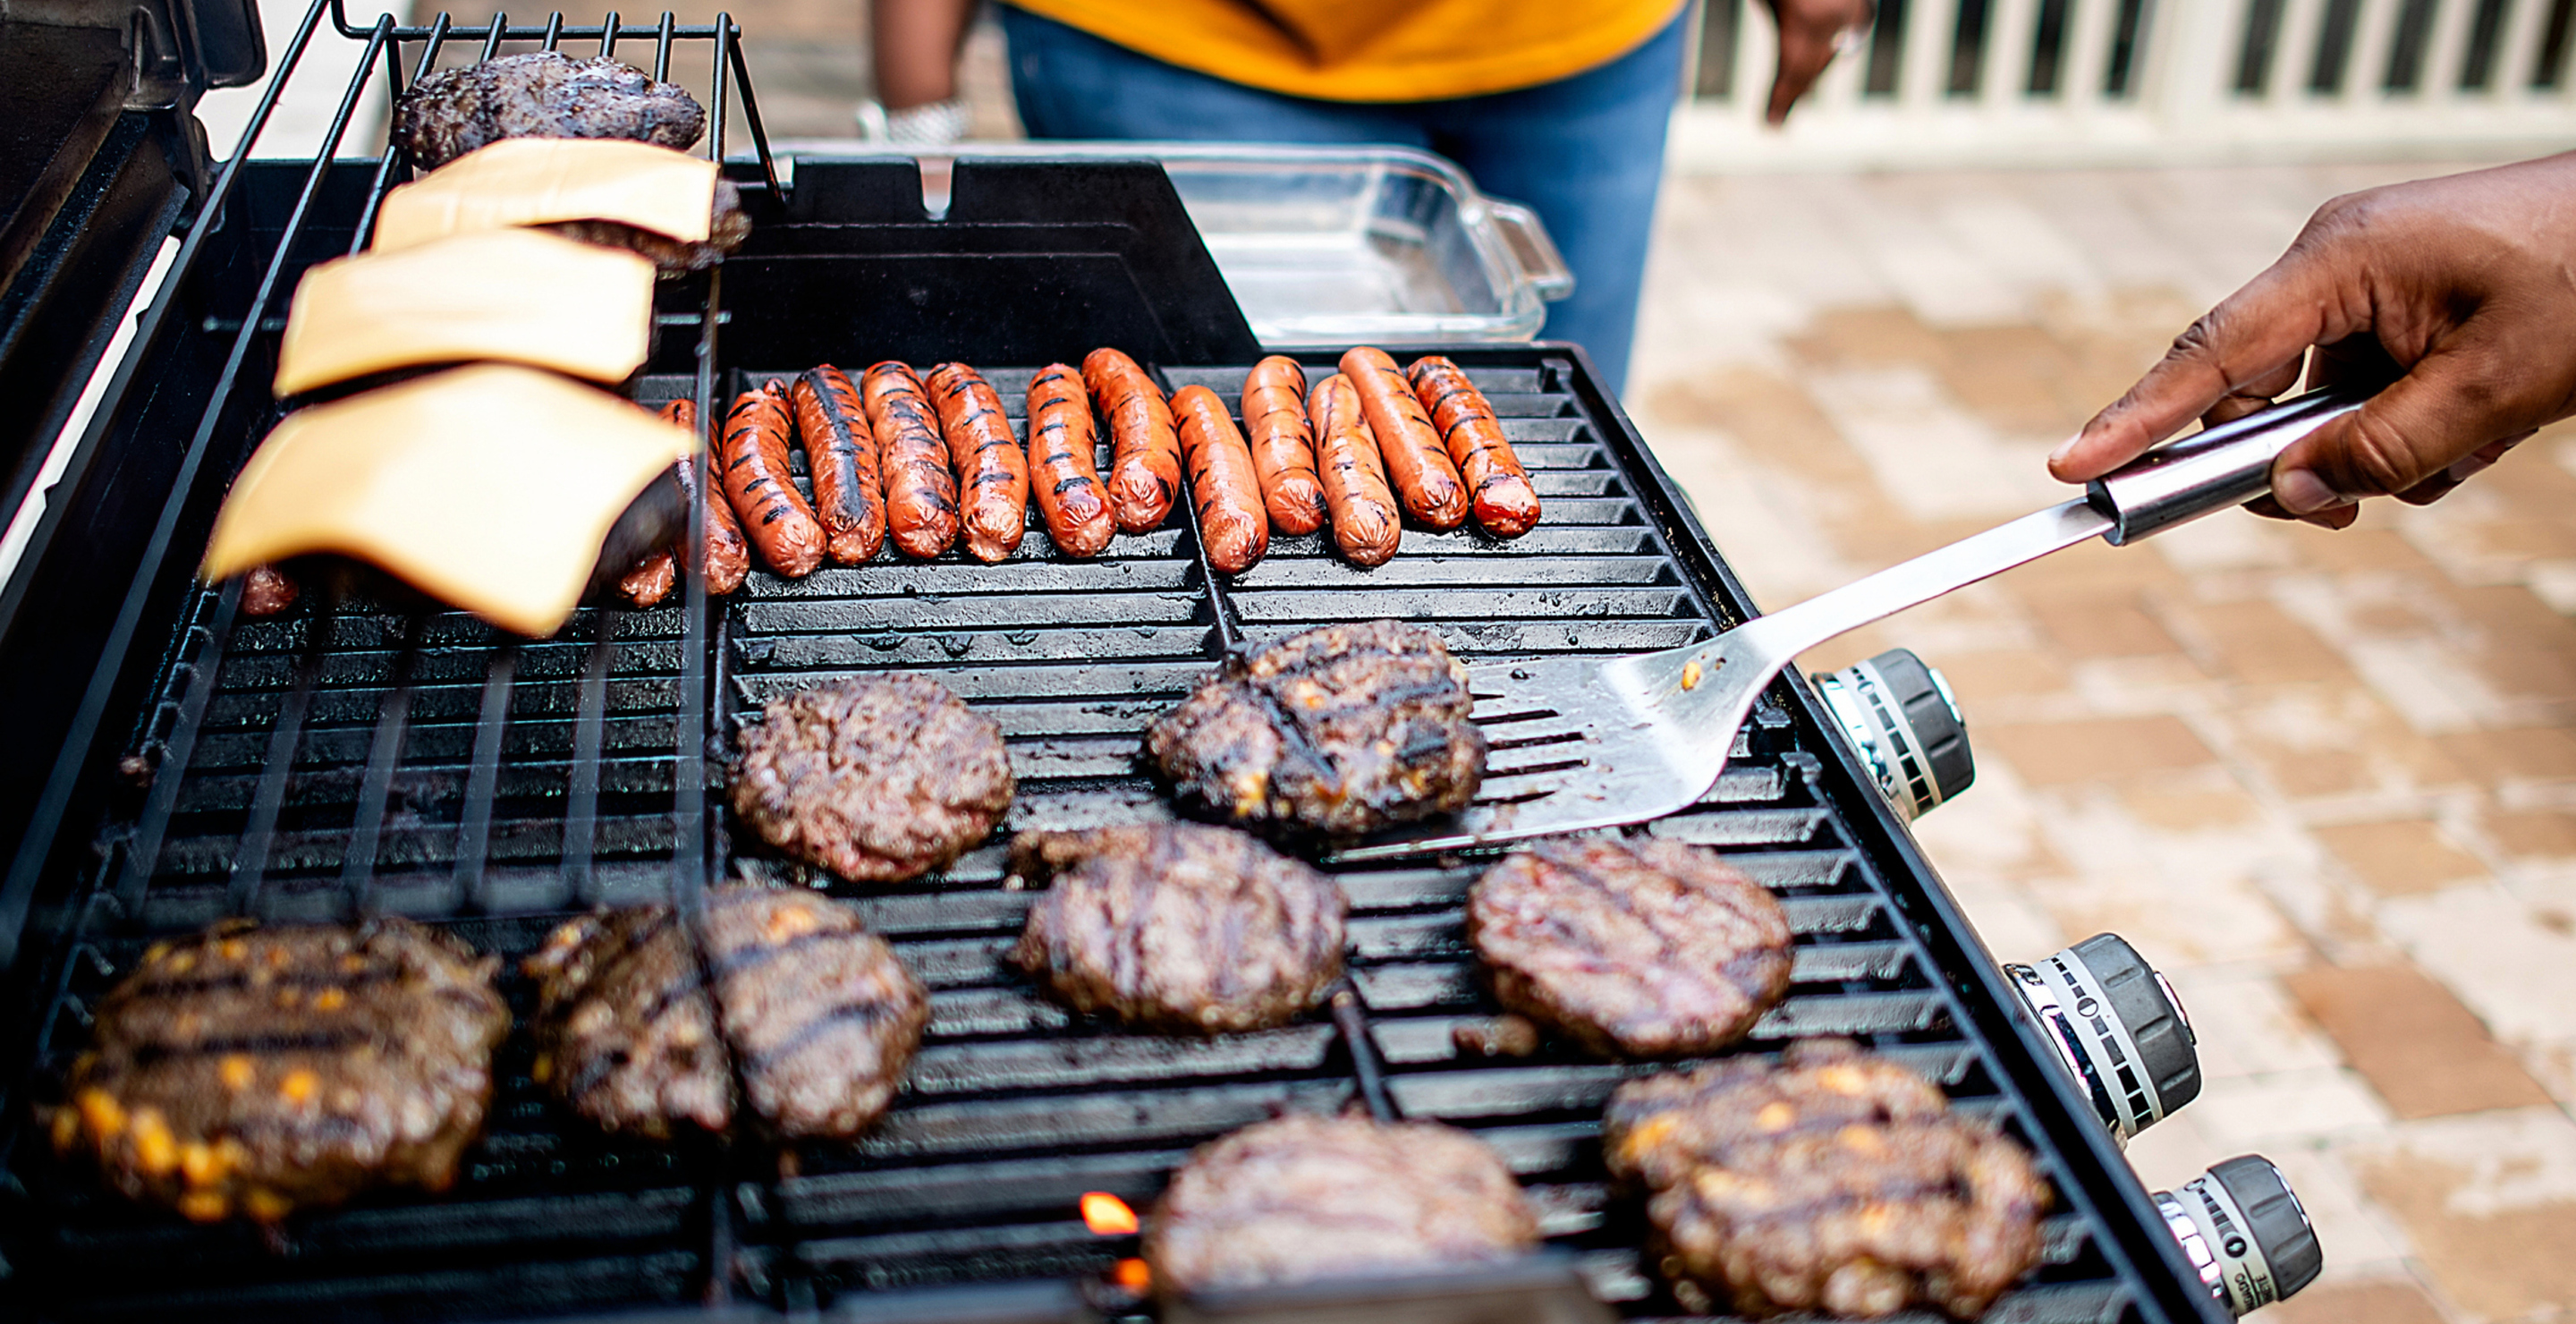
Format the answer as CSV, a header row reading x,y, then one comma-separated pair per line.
x,y
930,462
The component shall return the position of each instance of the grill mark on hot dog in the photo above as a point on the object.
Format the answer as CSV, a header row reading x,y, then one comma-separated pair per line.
x,y
1505,502
841,455
728,557
1417,465
1283,450
756,479
1225,492
1063,463
920,490
1367,527
1145,465
988,459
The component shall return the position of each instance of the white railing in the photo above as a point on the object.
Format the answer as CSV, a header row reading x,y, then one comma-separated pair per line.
x,y
2143,82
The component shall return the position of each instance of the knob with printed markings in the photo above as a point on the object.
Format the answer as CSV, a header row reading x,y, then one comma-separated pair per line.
x,y
1900,715
2117,1026
2245,1233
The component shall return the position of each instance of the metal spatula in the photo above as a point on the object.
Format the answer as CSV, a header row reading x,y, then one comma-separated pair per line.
x,y
1581,743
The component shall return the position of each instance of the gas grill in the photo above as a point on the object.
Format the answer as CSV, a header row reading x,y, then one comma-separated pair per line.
x,y
172,762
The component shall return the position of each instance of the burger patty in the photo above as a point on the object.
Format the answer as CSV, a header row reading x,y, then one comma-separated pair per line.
x,y
1835,1181
251,1071
1646,947
1178,925
1304,1197
876,778
727,227
1340,730
541,94
821,1016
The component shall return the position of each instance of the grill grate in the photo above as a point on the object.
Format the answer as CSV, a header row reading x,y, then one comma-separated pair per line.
x,y
352,759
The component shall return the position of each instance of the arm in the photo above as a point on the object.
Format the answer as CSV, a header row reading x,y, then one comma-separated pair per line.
x,y
1809,33
2458,293
915,45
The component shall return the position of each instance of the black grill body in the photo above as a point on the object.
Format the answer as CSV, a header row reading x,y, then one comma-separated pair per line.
x,y
171,763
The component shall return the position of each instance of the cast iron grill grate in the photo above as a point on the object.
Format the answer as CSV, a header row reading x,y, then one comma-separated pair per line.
x,y
353,759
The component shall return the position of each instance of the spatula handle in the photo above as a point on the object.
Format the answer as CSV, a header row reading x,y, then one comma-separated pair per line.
x,y
2213,469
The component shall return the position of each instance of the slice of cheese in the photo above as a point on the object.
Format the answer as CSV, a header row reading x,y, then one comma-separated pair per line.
x,y
522,296
533,181
488,487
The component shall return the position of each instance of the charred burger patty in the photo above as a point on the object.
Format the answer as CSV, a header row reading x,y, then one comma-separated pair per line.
x,y
1181,926
1340,730
252,1071
1836,1181
1647,947
876,778
1305,1197
819,1017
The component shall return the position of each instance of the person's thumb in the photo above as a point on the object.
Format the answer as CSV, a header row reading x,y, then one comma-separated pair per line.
x,y
1804,53
2444,408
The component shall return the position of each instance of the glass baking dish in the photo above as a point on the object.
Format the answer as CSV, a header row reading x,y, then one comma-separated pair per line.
x,y
1331,244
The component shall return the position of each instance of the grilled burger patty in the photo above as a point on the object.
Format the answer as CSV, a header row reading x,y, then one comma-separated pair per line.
x,y
1836,1180
541,94
876,778
1304,1197
821,1015
1178,925
249,1070
727,227
1646,947
1340,730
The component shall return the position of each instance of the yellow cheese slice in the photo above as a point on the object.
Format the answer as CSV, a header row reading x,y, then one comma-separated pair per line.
x,y
524,296
488,487
532,181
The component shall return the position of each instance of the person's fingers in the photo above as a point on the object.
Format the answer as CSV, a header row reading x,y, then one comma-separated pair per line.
x,y
1810,31
2251,339
2460,471
2258,394
2448,408
1804,52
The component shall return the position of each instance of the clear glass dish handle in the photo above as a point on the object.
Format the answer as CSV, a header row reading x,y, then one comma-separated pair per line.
x,y
1541,265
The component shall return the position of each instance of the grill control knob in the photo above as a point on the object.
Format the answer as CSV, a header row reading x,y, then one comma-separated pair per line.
x,y
2242,1227
1901,715
2117,1026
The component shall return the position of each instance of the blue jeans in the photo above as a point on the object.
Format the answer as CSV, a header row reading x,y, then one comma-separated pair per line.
x,y
1586,153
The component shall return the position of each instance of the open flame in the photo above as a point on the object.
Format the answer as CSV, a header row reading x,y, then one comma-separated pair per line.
x,y
1133,1276
1107,1215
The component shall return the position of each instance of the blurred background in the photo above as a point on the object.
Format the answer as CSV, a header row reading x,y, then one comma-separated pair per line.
x,y
2327,781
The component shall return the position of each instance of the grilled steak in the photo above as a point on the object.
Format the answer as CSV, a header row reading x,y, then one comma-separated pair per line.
x,y
1304,1197
821,1016
1180,926
1647,947
726,230
1340,731
876,778
251,1071
1836,1181
541,94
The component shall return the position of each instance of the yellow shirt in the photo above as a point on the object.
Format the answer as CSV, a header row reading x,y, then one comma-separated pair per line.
x,y
1373,50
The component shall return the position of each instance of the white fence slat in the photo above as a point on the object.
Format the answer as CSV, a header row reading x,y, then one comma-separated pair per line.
x,y
2183,108
2010,24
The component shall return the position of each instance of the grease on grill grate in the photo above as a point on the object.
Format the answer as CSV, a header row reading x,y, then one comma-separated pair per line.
x,y
501,785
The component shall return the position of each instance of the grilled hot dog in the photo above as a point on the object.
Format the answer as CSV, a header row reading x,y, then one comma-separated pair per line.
x,y
1283,452
728,557
1145,464
921,492
1064,467
841,455
1503,499
1225,493
1419,466
1366,524
992,471
758,482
